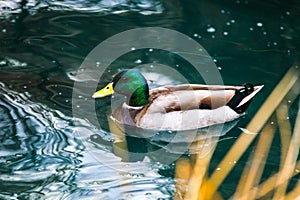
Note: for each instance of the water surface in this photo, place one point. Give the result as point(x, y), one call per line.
point(42, 45)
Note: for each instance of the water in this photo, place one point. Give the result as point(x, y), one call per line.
point(47, 154)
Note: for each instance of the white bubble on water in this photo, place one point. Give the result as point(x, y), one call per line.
point(259, 24)
point(211, 29)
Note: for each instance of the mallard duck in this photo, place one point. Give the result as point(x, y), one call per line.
point(178, 107)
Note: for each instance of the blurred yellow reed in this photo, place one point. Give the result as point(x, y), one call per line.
point(119, 147)
point(182, 174)
point(285, 130)
point(290, 160)
point(202, 187)
point(200, 168)
point(252, 174)
point(268, 185)
point(254, 127)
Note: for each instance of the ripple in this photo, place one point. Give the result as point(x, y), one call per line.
point(42, 157)
point(145, 7)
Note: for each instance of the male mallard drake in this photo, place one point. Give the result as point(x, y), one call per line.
point(180, 107)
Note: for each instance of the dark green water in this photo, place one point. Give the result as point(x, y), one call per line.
point(42, 45)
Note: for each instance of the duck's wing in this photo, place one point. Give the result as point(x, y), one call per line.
point(195, 96)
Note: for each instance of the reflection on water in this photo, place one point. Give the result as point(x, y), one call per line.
point(41, 157)
point(145, 7)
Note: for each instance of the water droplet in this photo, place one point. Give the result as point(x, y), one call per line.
point(251, 29)
point(211, 29)
point(177, 65)
point(138, 61)
point(98, 64)
point(218, 169)
point(195, 35)
point(4, 30)
point(289, 52)
point(150, 50)
point(219, 68)
point(132, 48)
point(281, 28)
point(78, 106)
point(265, 33)
point(225, 33)
point(272, 123)
point(215, 60)
point(59, 93)
point(275, 43)
point(232, 21)
point(25, 86)
point(287, 13)
point(228, 23)
point(259, 24)
point(222, 11)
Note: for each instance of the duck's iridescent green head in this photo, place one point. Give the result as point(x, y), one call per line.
point(130, 83)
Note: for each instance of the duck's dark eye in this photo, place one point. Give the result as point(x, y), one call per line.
point(107, 87)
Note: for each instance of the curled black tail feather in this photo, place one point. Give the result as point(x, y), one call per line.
point(240, 94)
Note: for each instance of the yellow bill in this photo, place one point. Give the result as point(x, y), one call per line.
point(107, 90)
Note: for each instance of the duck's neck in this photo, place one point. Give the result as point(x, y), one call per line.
point(139, 98)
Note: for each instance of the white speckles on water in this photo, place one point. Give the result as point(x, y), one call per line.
point(222, 11)
point(251, 29)
point(59, 93)
point(219, 68)
point(287, 13)
point(225, 33)
point(139, 61)
point(259, 24)
point(195, 35)
point(150, 50)
point(265, 33)
point(289, 52)
point(232, 21)
point(215, 60)
point(275, 43)
point(281, 28)
point(132, 49)
point(211, 29)
point(4, 30)
point(98, 64)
